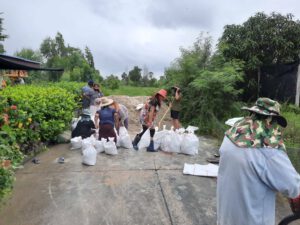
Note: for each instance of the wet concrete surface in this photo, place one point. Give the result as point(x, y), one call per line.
point(131, 188)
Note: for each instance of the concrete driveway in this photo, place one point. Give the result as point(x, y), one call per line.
point(131, 188)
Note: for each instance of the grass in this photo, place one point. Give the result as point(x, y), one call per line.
point(132, 91)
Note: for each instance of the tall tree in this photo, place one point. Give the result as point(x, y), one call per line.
point(89, 57)
point(2, 36)
point(261, 40)
point(135, 75)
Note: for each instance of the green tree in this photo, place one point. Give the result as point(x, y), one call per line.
point(89, 57)
point(125, 78)
point(112, 82)
point(261, 40)
point(30, 54)
point(135, 75)
point(2, 36)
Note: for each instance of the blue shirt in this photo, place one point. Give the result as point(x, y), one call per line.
point(247, 183)
point(106, 116)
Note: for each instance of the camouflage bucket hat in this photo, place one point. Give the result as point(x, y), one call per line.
point(268, 107)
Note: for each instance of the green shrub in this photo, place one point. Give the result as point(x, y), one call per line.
point(6, 181)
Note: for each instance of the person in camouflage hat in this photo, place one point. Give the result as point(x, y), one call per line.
point(254, 166)
point(263, 128)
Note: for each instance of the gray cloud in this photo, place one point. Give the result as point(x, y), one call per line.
point(125, 33)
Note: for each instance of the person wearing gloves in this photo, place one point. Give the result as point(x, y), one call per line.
point(253, 167)
point(85, 126)
point(106, 119)
point(147, 117)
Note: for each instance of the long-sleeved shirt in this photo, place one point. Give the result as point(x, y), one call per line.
point(247, 183)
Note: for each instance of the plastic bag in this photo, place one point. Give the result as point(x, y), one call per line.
point(89, 156)
point(158, 137)
point(99, 145)
point(145, 140)
point(189, 144)
point(110, 147)
point(124, 138)
point(176, 141)
point(90, 141)
point(76, 143)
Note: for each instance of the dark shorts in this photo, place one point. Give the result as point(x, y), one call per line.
point(174, 114)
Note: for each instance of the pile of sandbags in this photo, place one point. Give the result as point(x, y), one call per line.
point(180, 141)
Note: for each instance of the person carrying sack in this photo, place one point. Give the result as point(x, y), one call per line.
point(147, 117)
point(254, 166)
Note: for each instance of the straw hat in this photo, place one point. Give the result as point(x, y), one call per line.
point(106, 101)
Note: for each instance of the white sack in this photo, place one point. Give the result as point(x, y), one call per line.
point(89, 156)
point(87, 142)
point(158, 138)
point(189, 144)
point(99, 145)
point(110, 147)
point(124, 138)
point(176, 142)
point(76, 142)
point(145, 140)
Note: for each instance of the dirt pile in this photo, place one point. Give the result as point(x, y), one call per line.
point(132, 102)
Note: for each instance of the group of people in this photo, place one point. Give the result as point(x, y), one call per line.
point(253, 161)
point(106, 115)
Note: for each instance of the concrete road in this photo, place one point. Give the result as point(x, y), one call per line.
point(131, 188)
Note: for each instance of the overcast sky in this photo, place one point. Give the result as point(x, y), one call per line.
point(125, 33)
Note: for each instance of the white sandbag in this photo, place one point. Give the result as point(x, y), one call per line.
point(145, 140)
point(158, 137)
point(86, 143)
point(124, 138)
point(189, 144)
point(99, 145)
point(110, 147)
point(176, 142)
point(76, 142)
point(89, 156)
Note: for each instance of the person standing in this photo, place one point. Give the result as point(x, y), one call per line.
point(253, 167)
point(87, 93)
point(106, 119)
point(147, 117)
point(97, 94)
point(176, 107)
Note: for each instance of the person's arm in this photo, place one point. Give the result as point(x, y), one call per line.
point(96, 120)
point(117, 122)
point(178, 94)
point(280, 175)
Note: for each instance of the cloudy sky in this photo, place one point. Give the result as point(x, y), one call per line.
point(125, 33)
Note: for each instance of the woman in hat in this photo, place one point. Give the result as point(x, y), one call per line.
point(85, 126)
point(254, 166)
point(147, 117)
point(106, 119)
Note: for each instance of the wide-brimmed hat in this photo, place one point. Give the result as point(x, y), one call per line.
point(86, 112)
point(268, 107)
point(106, 101)
point(162, 93)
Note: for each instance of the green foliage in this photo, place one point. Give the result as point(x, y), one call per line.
point(6, 181)
point(135, 75)
point(260, 41)
point(2, 36)
point(132, 91)
point(51, 108)
point(77, 66)
point(112, 82)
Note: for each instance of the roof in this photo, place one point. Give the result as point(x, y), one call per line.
point(17, 63)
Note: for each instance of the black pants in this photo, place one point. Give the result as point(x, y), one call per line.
point(152, 131)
